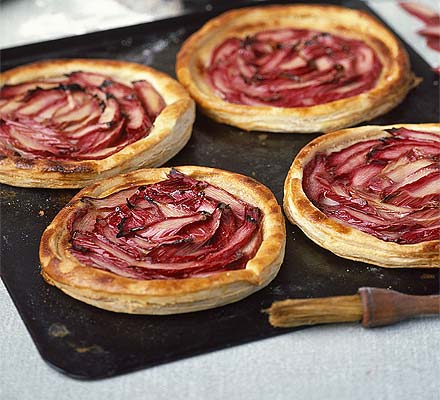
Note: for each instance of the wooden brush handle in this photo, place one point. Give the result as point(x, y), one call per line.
point(372, 306)
point(385, 307)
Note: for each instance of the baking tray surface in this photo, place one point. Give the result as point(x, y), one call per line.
point(86, 342)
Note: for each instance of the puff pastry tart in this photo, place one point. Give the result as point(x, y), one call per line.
point(66, 123)
point(298, 68)
point(161, 241)
point(371, 194)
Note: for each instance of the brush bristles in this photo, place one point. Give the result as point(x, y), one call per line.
point(289, 313)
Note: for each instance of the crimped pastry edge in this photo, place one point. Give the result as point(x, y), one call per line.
point(115, 293)
point(394, 83)
point(169, 134)
point(342, 239)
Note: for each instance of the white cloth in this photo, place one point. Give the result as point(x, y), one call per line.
point(24, 22)
point(335, 362)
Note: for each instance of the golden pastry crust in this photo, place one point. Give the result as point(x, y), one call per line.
point(394, 82)
point(171, 296)
point(341, 239)
point(169, 134)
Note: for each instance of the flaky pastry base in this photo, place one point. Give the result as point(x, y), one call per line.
point(170, 132)
point(342, 239)
point(169, 296)
point(395, 81)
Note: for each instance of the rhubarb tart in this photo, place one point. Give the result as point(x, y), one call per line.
point(298, 68)
point(165, 241)
point(371, 194)
point(66, 123)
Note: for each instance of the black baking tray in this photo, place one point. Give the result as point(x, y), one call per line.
point(86, 342)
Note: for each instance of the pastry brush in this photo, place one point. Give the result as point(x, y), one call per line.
point(370, 306)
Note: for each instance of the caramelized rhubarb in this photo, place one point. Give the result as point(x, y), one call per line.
point(292, 68)
point(387, 187)
point(176, 228)
point(80, 116)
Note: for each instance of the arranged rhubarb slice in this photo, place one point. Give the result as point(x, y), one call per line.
point(81, 116)
point(176, 228)
point(421, 11)
point(387, 187)
point(292, 68)
point(432, 20)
